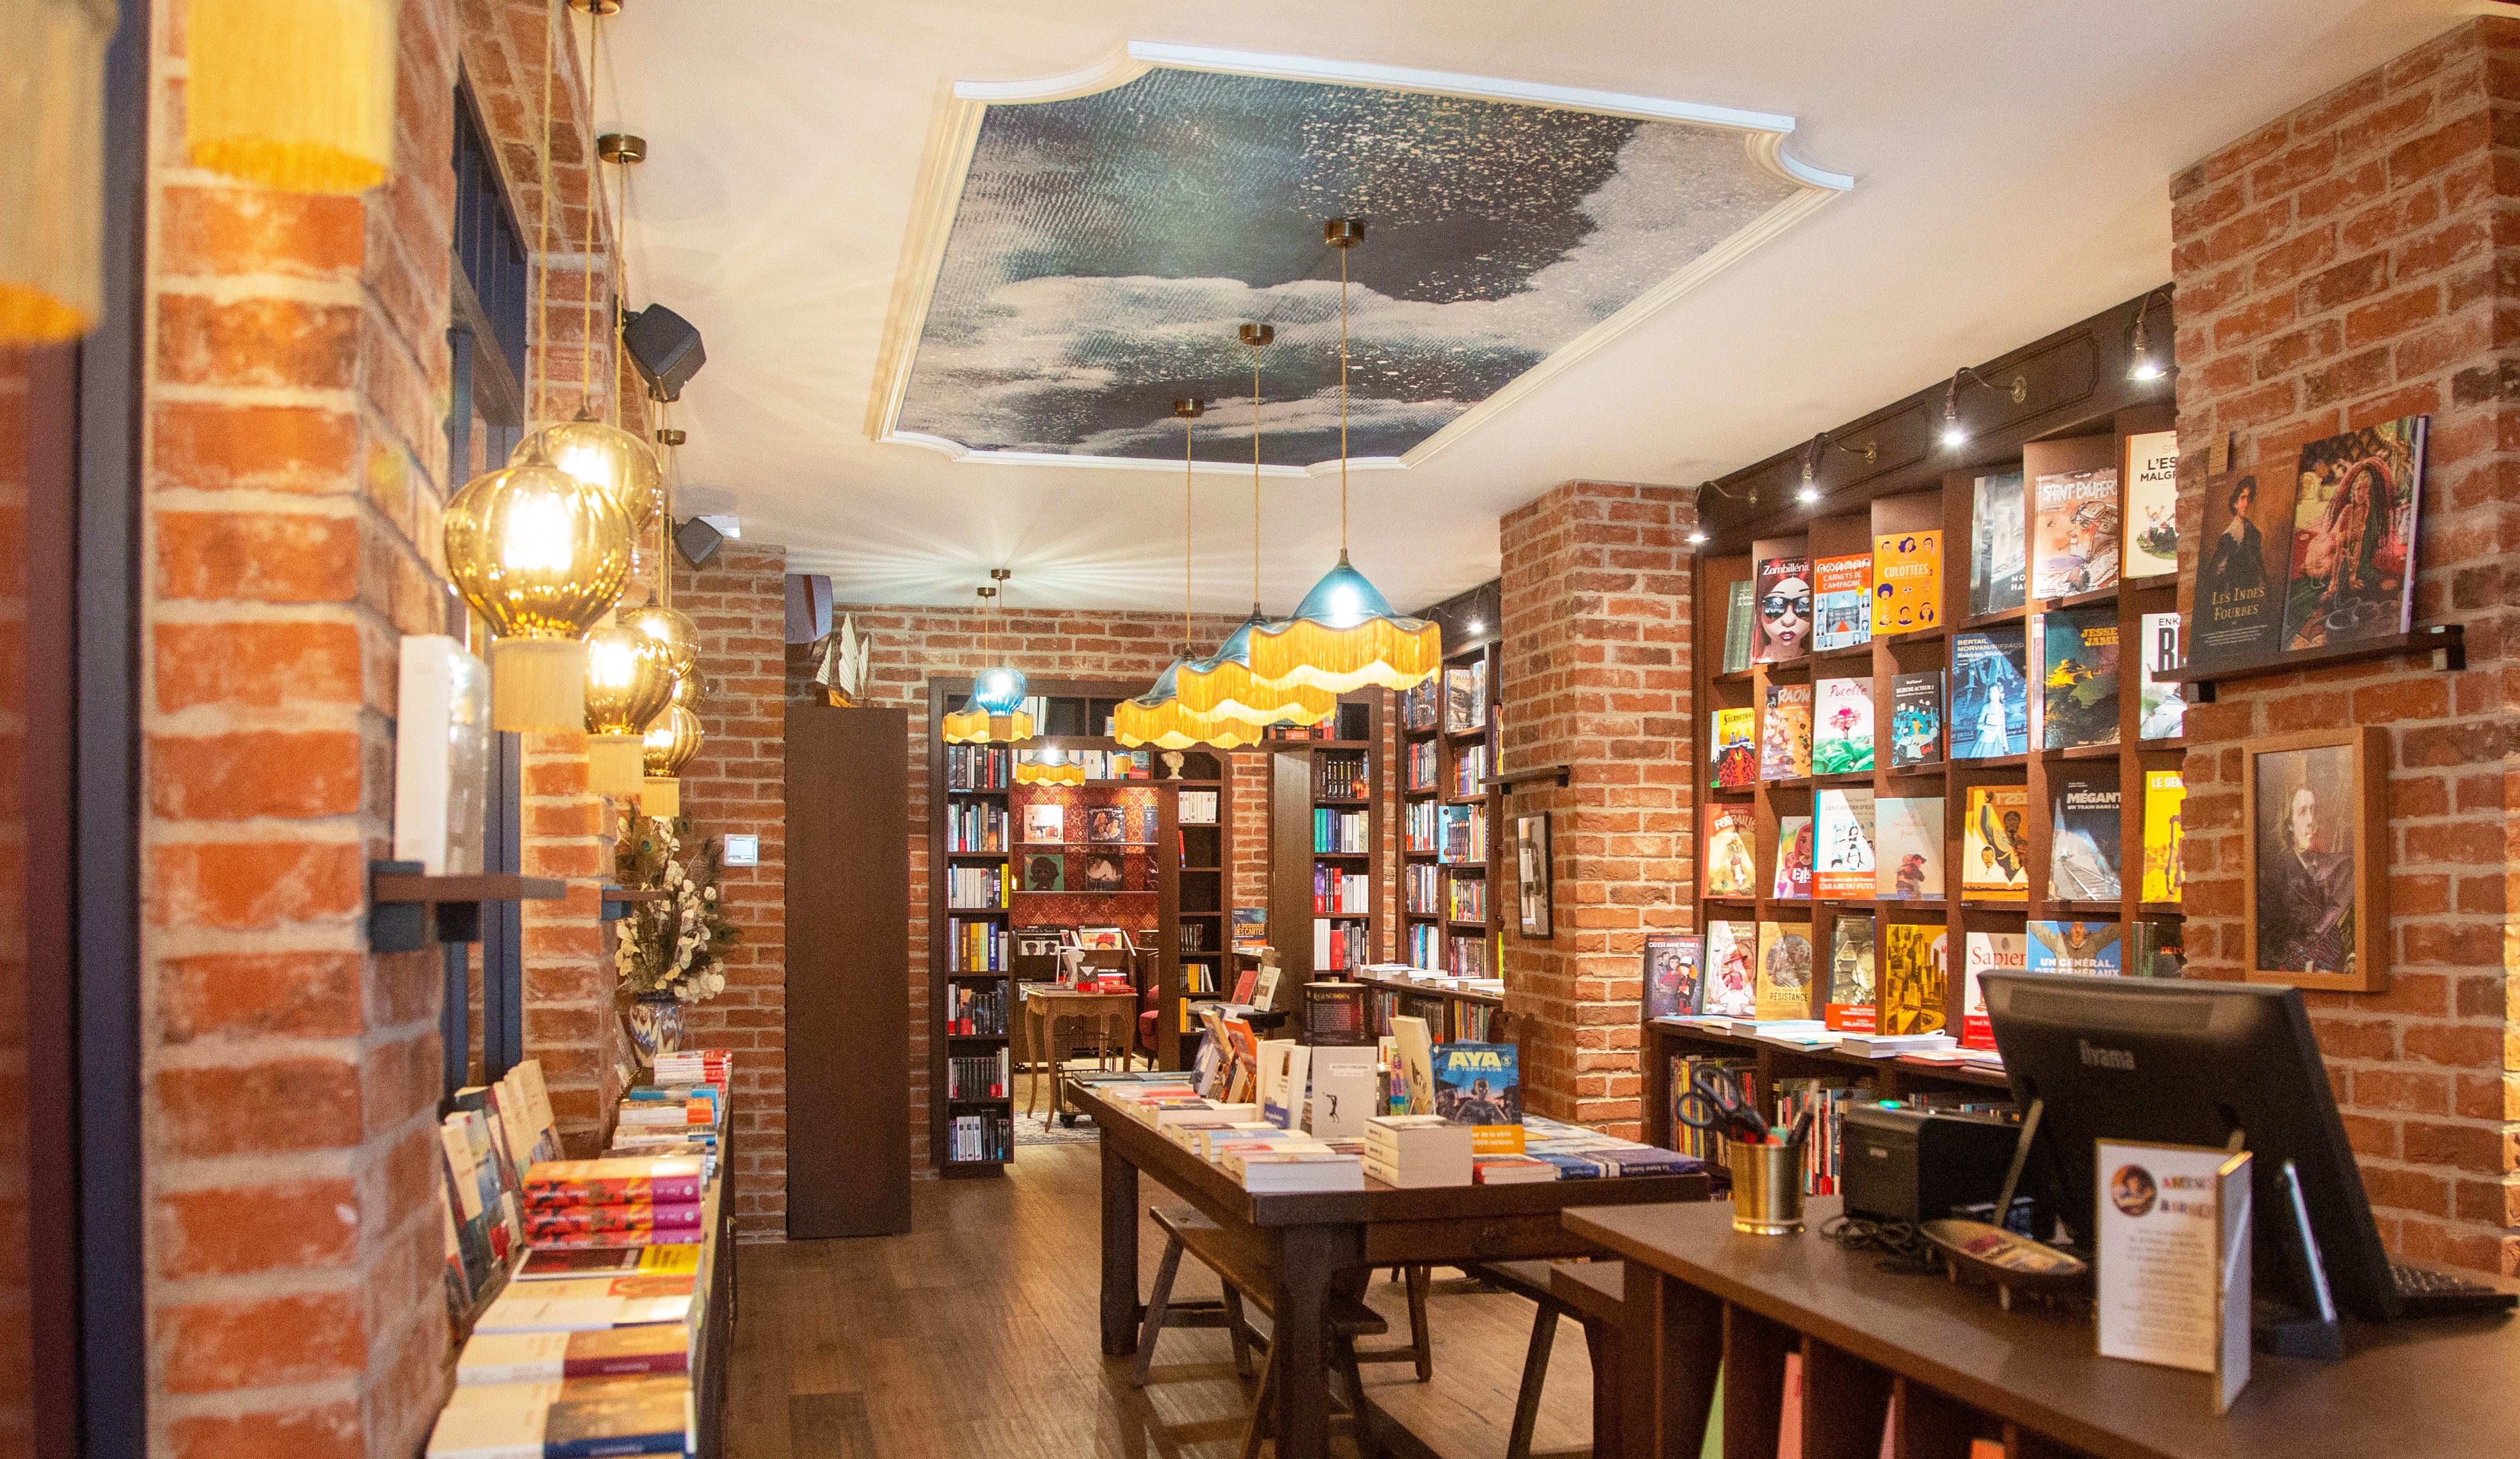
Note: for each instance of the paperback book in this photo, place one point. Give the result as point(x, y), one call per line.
point(1732, 758)
point(1793, 877)
point(1784, 626)
point(2083, 841)
point(1732, 971)
point(1998, 561)
point(1995, 844)
point(1464, 708)
point(1913, 977)
point(1480, 1085)
point(2156, 948)
point(2079, 684)
point(1672, 975)
point(2153, 504)
point(1907, 581)
point(1990, 694)
point(2089, 949)
point(1785, 739)
point(1045, 823)
point(1842, 734)
point(1850, 1004)
point(1916, 718)
point(1842, 837)
point(2354, 536)
point(1738, 612)
point(1731, 850)
point(1988, 952)
point(2243, 555)
point(1845, 601)
point(2076, 550)
point(2161, 712)
point(2165, 876)
point(1785, 970)
point(1908, 842)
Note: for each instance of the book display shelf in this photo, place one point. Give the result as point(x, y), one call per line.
point(1450, 817)
point(2071, 643)
point(1450, 1013)
point(1067, 830)
point(1326, 829)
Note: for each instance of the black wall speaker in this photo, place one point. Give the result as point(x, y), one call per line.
point(665, 348)
point(699, 541)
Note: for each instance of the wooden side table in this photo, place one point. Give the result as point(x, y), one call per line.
point(1046, 1006)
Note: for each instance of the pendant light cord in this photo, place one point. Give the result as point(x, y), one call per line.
point(586, 259)
point(1188, 649)
point(666, 523)
point(1342, 404)
point(540, 326)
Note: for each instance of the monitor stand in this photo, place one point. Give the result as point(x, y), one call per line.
point(2287, 1331)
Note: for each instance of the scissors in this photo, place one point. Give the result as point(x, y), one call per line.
point(1714, 1105)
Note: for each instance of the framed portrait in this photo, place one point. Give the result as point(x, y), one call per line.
point(1533, 882)
point(2314, 900)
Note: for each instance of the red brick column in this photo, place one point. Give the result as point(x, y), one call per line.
point(1596, 674)
point(738, 784)
point(2345, 264)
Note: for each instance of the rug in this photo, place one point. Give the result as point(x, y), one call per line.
point(1043, 1127)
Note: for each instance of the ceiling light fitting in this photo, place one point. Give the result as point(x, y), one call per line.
point(1954, 432)
point(994, 715)
point(2146, 364)
point(1159, 717)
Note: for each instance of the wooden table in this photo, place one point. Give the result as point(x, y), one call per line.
point(1047, 1005)
point(1698, 1293)
point(1316, 1239)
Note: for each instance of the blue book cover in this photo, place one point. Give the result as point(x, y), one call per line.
point(1480, 1085)
point(1916, 718)
point(1990, 694)
point(2088, 948)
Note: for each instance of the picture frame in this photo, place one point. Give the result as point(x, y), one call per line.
point(1535, 882)
point(2313, 818)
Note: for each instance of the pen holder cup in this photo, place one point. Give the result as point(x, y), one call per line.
point(1766, 1187)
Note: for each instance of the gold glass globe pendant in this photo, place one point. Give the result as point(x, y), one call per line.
point(1344, 635)
point(541, 556)
point(994, 715)
point(629, 683)
point(1158, 718)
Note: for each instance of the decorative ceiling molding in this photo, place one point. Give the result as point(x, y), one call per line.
point(953, 138)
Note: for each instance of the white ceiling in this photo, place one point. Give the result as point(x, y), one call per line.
point(2011, 162)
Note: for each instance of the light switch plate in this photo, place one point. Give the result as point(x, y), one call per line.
point(744, 850)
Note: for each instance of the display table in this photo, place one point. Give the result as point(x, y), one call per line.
point(1962, 1367)
point(1317, 1241)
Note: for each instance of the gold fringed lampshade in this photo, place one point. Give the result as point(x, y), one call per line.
point(292, 94)
point(52, 112)
point(628, 684)
point(671, 742)
point(974, 724)
point(1159, 718)
point(1345, 636)
point(1224, 686)
point(541, 556)
point(606, 458)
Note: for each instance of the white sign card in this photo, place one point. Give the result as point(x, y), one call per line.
point(1343, 1092)
point(2173, 1260)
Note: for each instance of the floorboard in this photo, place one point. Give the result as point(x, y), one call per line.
point(976, 1335)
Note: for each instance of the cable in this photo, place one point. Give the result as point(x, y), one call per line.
point(1903, 1249)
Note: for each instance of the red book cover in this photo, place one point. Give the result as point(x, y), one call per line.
point(612, 1182)
point(646, 1236)
point(636, 1215)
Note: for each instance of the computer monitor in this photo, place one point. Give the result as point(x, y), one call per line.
point(2190, 1063)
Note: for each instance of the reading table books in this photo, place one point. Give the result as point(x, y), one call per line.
point(1700, 1296)
point(1325, 1242)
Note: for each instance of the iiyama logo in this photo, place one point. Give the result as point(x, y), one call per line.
point(2105, 1058)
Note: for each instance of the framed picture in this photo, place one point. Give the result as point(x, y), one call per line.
point(1533, 882)
point(2315, 901)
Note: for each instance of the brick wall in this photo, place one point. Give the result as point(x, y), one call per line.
point(737, 784)
point(1596, 674)
point(913, 644)
point(295, 368)
point(2345, 264)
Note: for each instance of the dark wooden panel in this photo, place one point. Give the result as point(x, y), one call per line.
point(848, 959)
point(1291, 862)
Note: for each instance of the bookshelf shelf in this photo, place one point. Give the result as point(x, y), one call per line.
point(2447, 643)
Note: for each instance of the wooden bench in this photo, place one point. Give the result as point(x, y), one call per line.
point(1594, 1293)
point(1247, 1275)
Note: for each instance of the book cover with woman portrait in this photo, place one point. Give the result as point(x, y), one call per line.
point(1783, 611)
point(2354, 536)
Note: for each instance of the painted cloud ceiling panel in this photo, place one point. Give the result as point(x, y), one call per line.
point(1105, 247)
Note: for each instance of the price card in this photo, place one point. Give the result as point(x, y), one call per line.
point(2173, 1260)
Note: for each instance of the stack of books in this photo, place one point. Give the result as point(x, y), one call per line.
point(1581, 1153)
point(1412, 1151)
point(624, 1201)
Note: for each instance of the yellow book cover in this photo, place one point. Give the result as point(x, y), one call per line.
point(1784, 969)
point(1995, 844)
point(1907, 581)
point(2164, 874)
point(1914, 974)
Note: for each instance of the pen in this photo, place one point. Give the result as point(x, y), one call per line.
point(1802, 1128)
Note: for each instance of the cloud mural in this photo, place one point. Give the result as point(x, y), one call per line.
point(1105, 248)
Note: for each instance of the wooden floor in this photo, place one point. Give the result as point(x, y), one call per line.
point(974, 1337)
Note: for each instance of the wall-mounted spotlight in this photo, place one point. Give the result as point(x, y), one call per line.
point(1477, 626)
point(1810, 491)
point(1954, 432)
point(2147, 364)
point(1698, 540)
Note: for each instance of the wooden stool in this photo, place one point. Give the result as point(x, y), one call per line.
point(1247, 1275)
point(1420, 1350)
point(1594, 1293)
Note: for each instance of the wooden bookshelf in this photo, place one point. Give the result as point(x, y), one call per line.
point(1449, 1012)
point(1849, 527)
point(1446, 766)
point(1299, 771)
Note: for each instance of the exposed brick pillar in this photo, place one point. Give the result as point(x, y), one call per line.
point(1596, 674)
point(2345, 264)
point(738, 784)
point(569, 976)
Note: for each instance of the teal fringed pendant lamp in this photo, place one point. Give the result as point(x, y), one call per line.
point(1344, 635)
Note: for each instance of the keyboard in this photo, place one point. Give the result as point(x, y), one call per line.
point(2426, 1292)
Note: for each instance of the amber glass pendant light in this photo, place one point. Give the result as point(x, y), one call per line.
point(1223, 685)
point(1158, 718)
point(994, 715)
point(1344, 635)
